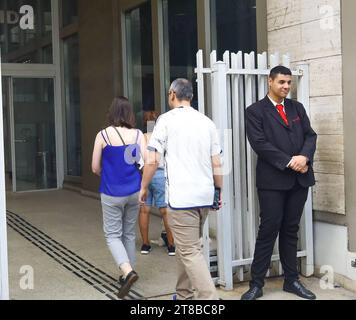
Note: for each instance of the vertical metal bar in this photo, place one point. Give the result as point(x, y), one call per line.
point(201, 100)
point(200, 80)
point(213, 28)
point(231, 212)
point(238, 127)
point(262, 80)
point(226, 59)
point(12, 134)
point(220, 116)
point(166, 49)
point(307, 219)
point(158, 28)
point(252, 199)
point(64, 96)
point(4, 273)
point(243, 162)
point(58, 112)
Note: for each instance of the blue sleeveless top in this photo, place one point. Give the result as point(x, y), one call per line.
point(119, 175)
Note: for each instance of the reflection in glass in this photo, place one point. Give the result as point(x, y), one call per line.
point(233, 26)
point(23, 39)
point(140, 60)
point(7, 130)
point(72, 103)
point(69, 12)
point(181, 41)
point(34, 128)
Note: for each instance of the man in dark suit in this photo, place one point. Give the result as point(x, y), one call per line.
point(279, 132)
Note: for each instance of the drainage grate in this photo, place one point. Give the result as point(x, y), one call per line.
point(81, 268)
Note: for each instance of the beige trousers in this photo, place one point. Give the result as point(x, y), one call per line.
point(193, 272)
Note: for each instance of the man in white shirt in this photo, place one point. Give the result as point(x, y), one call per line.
point(189, 142)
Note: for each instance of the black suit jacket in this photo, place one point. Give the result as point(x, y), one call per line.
point(276, 143)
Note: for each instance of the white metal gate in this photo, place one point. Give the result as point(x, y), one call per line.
point(230, 86)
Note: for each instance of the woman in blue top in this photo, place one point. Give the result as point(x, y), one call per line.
point(116, 159)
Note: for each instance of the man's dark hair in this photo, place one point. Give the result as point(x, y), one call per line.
point(121, 113)
point(279, 70)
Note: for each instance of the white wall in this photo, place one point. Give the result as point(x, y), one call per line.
point(330, 249)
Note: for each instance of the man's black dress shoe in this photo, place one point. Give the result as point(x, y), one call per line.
point(252, 294)
point(298, 289)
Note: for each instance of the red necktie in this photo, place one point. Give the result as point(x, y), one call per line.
point(280, 109)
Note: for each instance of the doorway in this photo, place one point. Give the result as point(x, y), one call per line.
point(29, 134)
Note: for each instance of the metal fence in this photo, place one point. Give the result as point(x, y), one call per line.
point(229, 87)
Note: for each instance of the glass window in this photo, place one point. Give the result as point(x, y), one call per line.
point(233, 25)
point(26, 31)
point(69, 12)
point(72, 104)
point(181, 41)
point(140, 60)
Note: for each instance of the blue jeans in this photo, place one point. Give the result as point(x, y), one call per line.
point(157, 190)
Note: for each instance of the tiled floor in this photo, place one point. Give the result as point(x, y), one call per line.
point(62, 246)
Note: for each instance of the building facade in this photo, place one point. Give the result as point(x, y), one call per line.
point(320, 33)
point(64, 60)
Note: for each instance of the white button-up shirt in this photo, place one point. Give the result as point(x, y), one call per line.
point(187, 139)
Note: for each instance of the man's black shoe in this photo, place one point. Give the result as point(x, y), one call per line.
point(297, 288)
point(126, 284)
point(252, 294)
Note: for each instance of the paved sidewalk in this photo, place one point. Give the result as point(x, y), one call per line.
point(66, 250)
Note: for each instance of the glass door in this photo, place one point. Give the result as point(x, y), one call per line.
point(32, 134)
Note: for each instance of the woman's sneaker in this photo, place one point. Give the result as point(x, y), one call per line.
point(146, 249)
point(171, 250)
point(126, 284)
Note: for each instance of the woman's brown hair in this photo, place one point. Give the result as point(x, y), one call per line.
point(121, 113)
point(150, 116)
